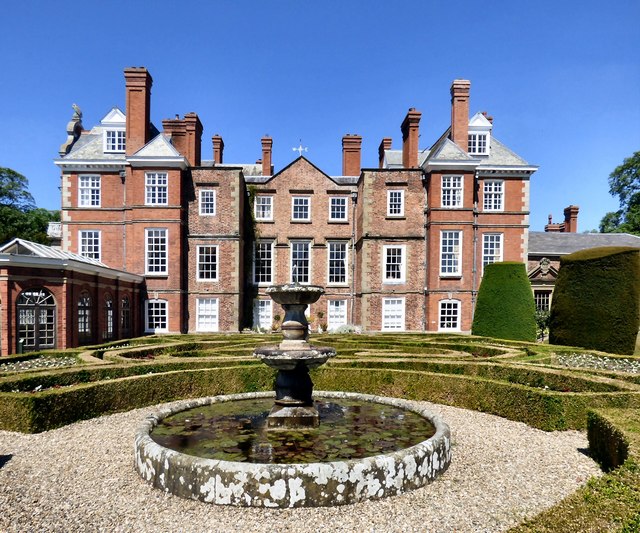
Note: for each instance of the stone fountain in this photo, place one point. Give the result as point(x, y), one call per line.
point(293, 358)
point(256, 480)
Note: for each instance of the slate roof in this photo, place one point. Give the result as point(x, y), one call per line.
point(500, 155)
point(557, 243)
point(447, 150)
point(394, 158)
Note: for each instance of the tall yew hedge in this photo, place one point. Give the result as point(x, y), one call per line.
point(505, 307)
point(596, 301)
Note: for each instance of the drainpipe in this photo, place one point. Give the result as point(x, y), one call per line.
point(426, 259)
point(354, 201)
point(474, 280)
point(123, 174)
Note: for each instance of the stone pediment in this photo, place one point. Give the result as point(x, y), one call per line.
point(543, 271)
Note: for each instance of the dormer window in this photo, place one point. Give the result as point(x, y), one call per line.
point(114, 141)
point(114, 128)
point(478, 143)
point(479, 135)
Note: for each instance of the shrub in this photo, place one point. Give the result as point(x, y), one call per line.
point(596, 300)
point(505, 307)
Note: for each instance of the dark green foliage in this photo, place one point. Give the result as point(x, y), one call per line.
point(505, 307)
point(18, 213)
point(607, 444)
point(624, 182)
point(596, 302)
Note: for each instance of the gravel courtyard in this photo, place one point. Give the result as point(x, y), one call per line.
point(81, 478)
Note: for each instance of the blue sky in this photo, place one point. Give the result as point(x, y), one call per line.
point(561, 79)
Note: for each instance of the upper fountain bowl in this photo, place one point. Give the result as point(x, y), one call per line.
point(295, 294)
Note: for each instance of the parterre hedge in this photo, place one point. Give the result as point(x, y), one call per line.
point(596, 300)
point(505, 308)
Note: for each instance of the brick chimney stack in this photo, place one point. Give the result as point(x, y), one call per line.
point(267, 143)
point(194, 139)
point(351, 154)
point(384, 146)
point(410, 134)
point(138, 83)
point(571, 219)
point(218, 149)
point(460, 113)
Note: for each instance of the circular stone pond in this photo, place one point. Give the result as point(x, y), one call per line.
point(366, 447)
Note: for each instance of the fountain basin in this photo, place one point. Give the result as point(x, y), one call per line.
point(291, 485)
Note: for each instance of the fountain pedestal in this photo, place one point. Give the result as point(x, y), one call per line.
point(293, 358)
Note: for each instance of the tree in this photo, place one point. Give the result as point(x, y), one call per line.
point(13, 191)
point(624, 182)
point(18, 213)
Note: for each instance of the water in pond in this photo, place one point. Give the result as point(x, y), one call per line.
point(236, 431)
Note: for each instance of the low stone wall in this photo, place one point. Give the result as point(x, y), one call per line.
point(291, 485)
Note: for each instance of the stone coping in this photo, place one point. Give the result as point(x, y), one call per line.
point(291, 485)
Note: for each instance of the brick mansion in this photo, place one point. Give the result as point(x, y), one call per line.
point(188, 244)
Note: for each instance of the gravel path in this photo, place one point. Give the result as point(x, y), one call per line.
point(81, 478)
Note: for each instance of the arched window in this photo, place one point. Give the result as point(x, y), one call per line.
point(36, 319)
point(125, 318)
point(84, 318)
point(107, 333)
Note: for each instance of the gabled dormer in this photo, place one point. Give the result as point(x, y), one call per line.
point(479, 135)
point(114, 131)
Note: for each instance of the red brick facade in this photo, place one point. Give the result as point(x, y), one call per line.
point(393, 250)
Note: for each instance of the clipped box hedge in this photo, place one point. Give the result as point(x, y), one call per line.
point(596, 300)
point(505, 308)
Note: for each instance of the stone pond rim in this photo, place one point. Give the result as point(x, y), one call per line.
point(291, 485)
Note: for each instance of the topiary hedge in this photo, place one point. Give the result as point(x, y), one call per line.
point(596, 301)
point(505, 308)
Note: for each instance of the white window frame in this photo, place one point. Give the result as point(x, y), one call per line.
point(263, 312)
point(118, 144)
point(395, 203)
point(478, 142)
point(345, 261)
point(267, 245)
point(292, 244)
point(207, 207)
point(215, 263)
point(156, 188)
point(456, 255)
point(493, 195)
point(454, 304)
point(299, 202)
point(161, 303)
point(147, 250)
point(386, 255)
point(336, 314)
point(489, 240)
point(388, 325)
point(89, 190)
point(207, 315)
point(454, 186)
point(259, 208)
point(340, 204)
point(84, 245)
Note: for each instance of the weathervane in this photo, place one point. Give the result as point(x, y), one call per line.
point(300, 149)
